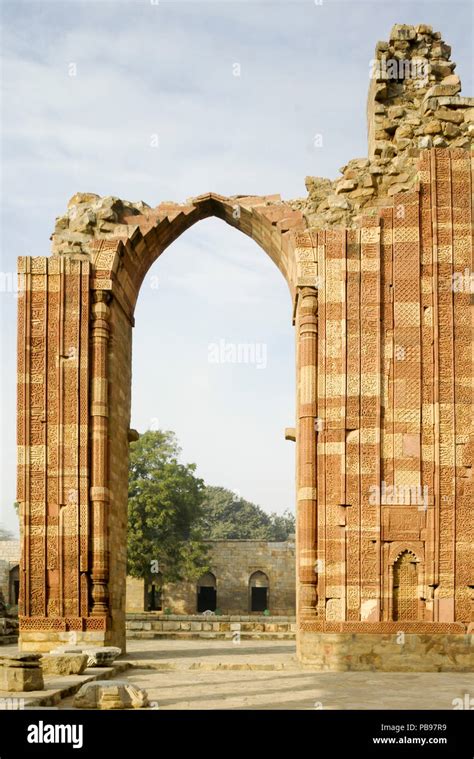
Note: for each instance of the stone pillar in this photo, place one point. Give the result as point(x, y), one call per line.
point(99, 493)
point(307, 346)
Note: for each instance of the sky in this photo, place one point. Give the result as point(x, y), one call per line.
point(159, 101)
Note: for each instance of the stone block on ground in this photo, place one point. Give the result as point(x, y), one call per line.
point(110, 694)
point(21, 673)
point(100, 656)
point(64, 664)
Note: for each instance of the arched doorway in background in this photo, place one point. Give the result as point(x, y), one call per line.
point(258, 591)
point(207, 593)
point(154, 594)
point(14, 583)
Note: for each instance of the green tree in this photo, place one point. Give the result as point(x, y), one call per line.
point(164, 507)
point(227, 516)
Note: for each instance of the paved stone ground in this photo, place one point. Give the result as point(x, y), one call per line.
point(185, 653)
point(9, 649)
point(202, 674)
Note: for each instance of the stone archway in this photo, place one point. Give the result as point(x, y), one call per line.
point(378, 268)
point(76, 314)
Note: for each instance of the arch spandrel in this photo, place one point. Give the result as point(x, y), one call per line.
point(121, 262)
point(413, 548)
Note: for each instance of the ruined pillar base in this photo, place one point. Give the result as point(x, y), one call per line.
point(45, 634)
point(385, 652)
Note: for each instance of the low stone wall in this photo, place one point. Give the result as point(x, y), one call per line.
point(341, 652)
point(151, 625)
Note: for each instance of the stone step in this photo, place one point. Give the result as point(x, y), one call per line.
point(195, 635)
point(212, 666)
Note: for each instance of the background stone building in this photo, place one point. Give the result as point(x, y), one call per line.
point(9, 570)
point(246, 576)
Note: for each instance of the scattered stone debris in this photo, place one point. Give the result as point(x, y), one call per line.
point(100, 656)
point(111, 694)
point(64, 664)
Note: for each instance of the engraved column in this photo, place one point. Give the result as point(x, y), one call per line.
point(307, 344)
point(99, 494)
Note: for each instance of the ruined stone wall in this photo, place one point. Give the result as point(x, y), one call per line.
point(89, 217)
point(379, 265)
point(413, 105)
point(232, 562)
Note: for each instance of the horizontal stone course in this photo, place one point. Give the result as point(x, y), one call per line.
point(378, 652)
point(174, 626)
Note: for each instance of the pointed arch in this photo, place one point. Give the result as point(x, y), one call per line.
point(120, 264)
point(259, 592)
point(206, 593)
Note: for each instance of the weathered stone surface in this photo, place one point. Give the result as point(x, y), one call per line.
point(396, 112)
point(345, 185)
point(452, 79)
point(83, 197)
point(110, 694)
point(451, 130)
point(387, 653)
point(21, 679)
point(432, 127)
point(442, 90)
point(444, 114)
point(21, 672)
point(336, 202)
point(402, 32)
point(102, 656)
point(424, 29)
point(64, 664)
point(23, 659)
